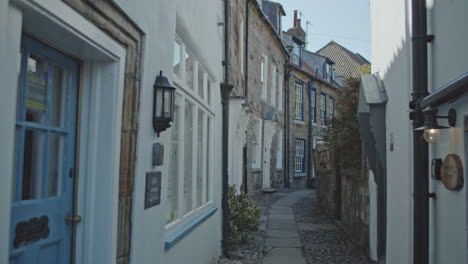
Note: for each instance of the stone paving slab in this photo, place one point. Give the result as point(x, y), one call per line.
point(281, 216)
point(284, 255)
point(282, 226)
point(311, 227)
point(282, 233)
point(282, 242)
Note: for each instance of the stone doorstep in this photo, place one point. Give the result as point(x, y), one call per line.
point(276, 242)
point(284, 255)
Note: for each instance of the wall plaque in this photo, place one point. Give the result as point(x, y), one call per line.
point(153, 189)
point(323, 159)
point(452, 172)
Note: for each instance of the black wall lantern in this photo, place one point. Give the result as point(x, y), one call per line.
point(163, 104)
point(431, 127)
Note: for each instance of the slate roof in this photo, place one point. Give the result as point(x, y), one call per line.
point(348, 64)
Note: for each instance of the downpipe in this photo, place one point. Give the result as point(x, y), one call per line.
point(226, 89)
point(420, 146)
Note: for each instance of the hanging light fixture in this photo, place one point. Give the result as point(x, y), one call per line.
point(163, 105)
point(431, 127)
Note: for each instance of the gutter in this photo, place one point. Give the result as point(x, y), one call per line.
point(447, 93)
point(226, 88)
point(310, 139)
point(246, 55)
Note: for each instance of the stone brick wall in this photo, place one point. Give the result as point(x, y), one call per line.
point(262, 41)
point(112, 20)
point(353, 200)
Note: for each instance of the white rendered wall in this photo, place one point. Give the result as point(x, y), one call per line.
point(197, 24)
point(391, 58)
point(10, 37)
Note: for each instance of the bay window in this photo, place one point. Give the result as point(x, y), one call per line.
point(189, 183)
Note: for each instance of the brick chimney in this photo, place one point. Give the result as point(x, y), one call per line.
point(297, 21)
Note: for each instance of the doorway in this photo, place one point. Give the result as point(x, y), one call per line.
point(44, 159)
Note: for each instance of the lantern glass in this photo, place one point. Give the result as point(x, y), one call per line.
point(159, 103)
point(431, 135)
point(167, 111)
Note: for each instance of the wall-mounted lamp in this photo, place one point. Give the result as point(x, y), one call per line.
point(431, 127)
point(163, 105)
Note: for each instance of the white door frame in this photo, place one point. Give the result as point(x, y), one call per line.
point(99, 132)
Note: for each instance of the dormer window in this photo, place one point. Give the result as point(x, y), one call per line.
point(328, 73)
point(296, 54)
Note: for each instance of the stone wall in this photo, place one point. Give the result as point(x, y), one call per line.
point(259, 39)
point(343, 194)
point(111, 19)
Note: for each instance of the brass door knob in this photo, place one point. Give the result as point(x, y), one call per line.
point(72, 219)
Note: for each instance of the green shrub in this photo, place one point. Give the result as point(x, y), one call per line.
point(244, 215)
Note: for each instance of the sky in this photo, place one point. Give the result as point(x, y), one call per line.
point(347, 22)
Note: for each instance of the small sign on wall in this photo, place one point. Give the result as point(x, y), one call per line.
point(153, 189)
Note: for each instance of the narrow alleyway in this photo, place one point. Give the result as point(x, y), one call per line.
point(294, 230)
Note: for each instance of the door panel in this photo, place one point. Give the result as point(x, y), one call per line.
point(44, 156)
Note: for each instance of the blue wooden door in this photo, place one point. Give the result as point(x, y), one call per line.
point(44, 156)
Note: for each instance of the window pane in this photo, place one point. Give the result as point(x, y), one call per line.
point(59, 95)
point(201, 87)
point(177, 60)
point(32, 164)
point(200, 159)
point(189, 62)
point(173, 178)
point(208, 90)
point(208, 164)
point(36, 92)
point(188, 157)
point(55, 162)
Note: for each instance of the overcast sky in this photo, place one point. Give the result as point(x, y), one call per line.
point(345, 21)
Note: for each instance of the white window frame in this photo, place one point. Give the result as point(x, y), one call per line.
point(264, 77)
point(241, 45)
point(313, 106)
point(331, 107)
point(273, 84)
point(186, 94)
point(323, 109)
point(257, 144)
point(299, 101)
point(296, 54)
point(299, 166)
point(279, 151)
point(279, 100)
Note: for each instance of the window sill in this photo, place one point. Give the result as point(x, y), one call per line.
point(174, 237)
point(299, 174)
point(300, 122)
point(256, 170)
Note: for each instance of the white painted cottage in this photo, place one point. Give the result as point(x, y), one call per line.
point(79, 184)
point(424, 219)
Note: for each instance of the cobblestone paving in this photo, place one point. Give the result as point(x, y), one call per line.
point(322, 242)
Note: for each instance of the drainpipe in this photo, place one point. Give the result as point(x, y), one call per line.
point(287, 125)
point(226, 88)
point(246, 55)
point(420, 147)
point(310, 140)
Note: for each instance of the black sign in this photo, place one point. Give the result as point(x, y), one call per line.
point(153, 189)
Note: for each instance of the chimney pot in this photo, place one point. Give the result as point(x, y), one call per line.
point(295, 18)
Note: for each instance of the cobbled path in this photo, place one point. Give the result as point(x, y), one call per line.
point(321, 242)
